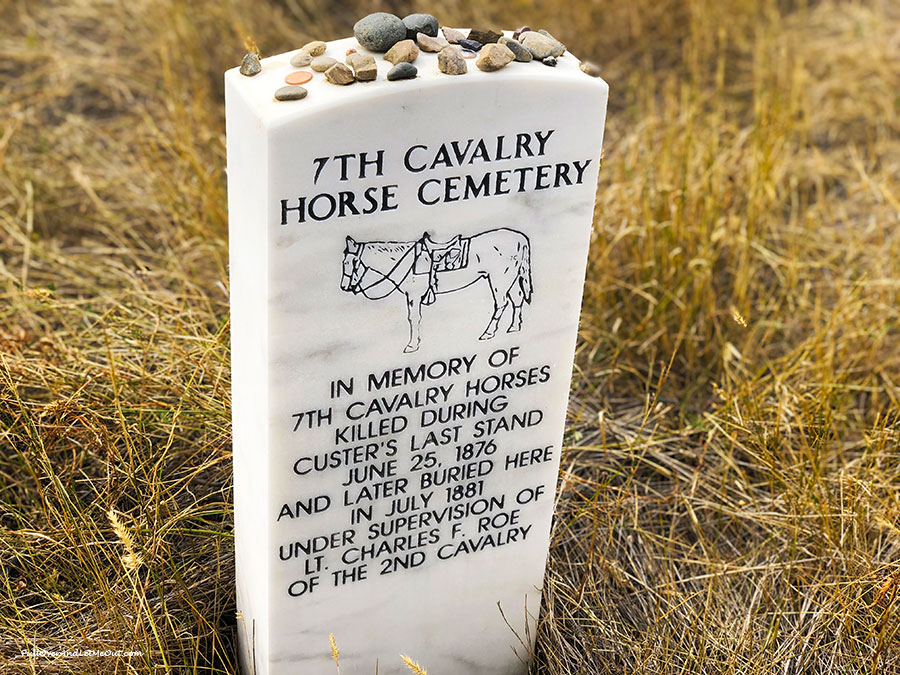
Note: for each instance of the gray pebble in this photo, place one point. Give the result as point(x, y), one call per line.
point(549, 61)
point(291, 92)
point(402, 71)
point(315, 48)
point(380, 31)
point(539, 45)
point(471, 45)
point(301, 59)
point(420, 23)
point(560, 47)
point(453, 36)
point(250, 64)
point(522, 54)
point(322, 63)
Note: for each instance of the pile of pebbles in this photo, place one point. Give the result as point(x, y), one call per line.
point(401, 41)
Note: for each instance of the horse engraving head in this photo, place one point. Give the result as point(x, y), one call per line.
point(352, 270)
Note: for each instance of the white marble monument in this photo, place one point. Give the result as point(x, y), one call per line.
point(407, 263)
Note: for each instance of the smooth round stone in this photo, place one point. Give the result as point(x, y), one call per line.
point(380, 31)
point(402, 71)
point(250, 64)
point(522, 54)
point(560, 48)
point(494, 57)
point(298, 77)
point(301, 59)
point(539, 45)
point(315, 48)
point(420, 23)
point(322, 63)
point(292, 92)
point(471, 45)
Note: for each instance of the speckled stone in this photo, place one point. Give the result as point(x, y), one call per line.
point(453, 36)
point(250, 64)
point(315, 48)
point(380, 31)
point(402, 71)
point(519, 31)
point(560, 47)
point(451, 62)
point(405, 50)
point(522, 54)
point(485, 37)
point(430, 44)
point(471, 45)
point(420, 23)
point(539, 45)
point(322, 63)
point(301, 59)
point(292, 92)
point(549, 61)
point(363, 65)
point(590, 68)
point(340, 73)
point(494, 57)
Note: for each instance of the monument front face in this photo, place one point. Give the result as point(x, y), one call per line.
point(407, 269)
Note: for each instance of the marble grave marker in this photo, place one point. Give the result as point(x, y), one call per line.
point(407, 264)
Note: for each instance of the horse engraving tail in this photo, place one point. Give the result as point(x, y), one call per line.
point(525, 273)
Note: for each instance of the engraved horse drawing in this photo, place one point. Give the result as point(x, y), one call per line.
point(424, 269)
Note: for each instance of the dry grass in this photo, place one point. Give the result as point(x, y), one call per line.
point(730, 497)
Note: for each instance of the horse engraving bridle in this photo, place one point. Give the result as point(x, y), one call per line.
point(360, 271)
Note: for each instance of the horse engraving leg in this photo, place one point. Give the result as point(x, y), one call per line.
point(414, 312)
point(517, 299)
point(516, 324)
point(499, 297)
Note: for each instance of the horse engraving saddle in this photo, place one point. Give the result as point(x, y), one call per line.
point(433, 257)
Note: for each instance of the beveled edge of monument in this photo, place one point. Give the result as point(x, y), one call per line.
point(258, 91)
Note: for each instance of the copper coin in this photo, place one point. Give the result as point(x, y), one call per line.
point(298, 77)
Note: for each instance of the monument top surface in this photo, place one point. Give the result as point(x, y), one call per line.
point(258, 91)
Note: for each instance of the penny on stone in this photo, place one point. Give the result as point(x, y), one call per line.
point(298, 77)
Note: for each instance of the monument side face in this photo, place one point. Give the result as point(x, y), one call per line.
point(421, 249)
point(248, 259)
